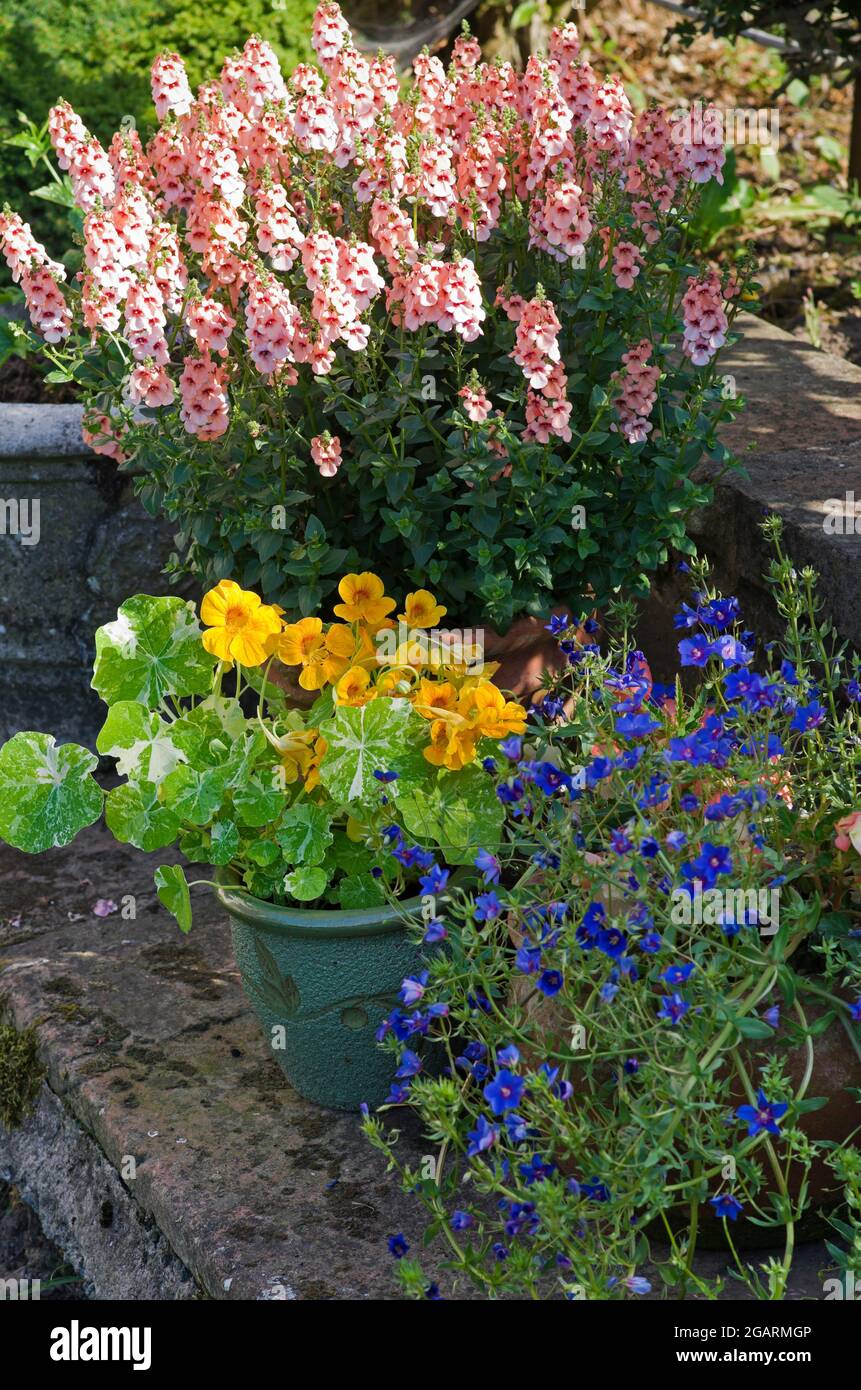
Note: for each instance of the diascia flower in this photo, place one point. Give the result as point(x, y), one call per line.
point(239, 626)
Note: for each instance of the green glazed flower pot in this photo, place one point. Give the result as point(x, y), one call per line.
point(320, 983)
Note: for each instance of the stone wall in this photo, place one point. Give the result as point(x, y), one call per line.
point(94, 547)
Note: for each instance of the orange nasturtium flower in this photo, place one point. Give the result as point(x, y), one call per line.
point(422, 610)
point(239, 626)
point(303, 644)
point(490, 713)
point(452, 743)
point(364, 599)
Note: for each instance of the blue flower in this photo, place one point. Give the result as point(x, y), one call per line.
point(719, 613)
point(398, 1245)
point(528, 960)
point(764, 1117)
point(673, 1008)
point(499, 1252)
point(855, 1011)
point(726, 1206)
point(462, 1220)
point(676, 839)
point(550, 982)
point(512, 748)
point(435, 880)
point(687, 618)
point(508, 1056)
point(631, 1066)
point(636, 725)
point(635, 1283)
point(649, 847)
point(413, 856)
point(678, 974)
point(559, 622)
point(853, 691)
point(488, 865)
point(695, 651)
point(487, 906)
point(711, 861)
point(612, 942)
point(504, 1091)
point(385, 776)
point(808, 717)
point(436, 931)
point(412, 988)
point(432, 1292)
point(620, 841)
point(688, 802)
point(411, 1064)
point(482, 1137)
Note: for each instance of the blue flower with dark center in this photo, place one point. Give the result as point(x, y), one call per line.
point(631, 1066)
point(712, 861)
point(504, 1091)
point(764, 1117)
point(398, 1245)
point(612, 942)
point(678, 974)
point(385, 776)
point(487, 907)
point(649, 847)
point(462, 1220)
point(528, 959)
point(413, 856)
point(488, 866)
point(688, 802)
point(719, 613)
point(808, 717)
point(435, 880)
point(550, 982)
point(695, 651)
point(559, 622)
point(726, 1206)
point(673, 1008)
point(620, 841)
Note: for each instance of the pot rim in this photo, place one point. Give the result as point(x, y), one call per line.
point(314, 922)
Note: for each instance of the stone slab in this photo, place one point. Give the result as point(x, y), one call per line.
point(154, 1053)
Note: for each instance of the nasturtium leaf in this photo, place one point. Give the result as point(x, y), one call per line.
point(194, 795)
point(142, 742)
point(348, 855)
point(173, 894)
point(151, 649)
point(304, 833)
point(46, 791)
point(382, 736)
point(459, 811)
point(224, 845)
point(360, 890)
point(306, 884)
point(257, 803)
point(263, 852)
point(135, 816)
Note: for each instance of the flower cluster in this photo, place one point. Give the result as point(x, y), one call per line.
point(646, 963)
point(368, 656)
point(287, 250)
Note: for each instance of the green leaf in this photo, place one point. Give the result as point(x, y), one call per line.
point(385, 735)
point(459, 811)
point(753, 1028)
point(173, 894)
point(264, 853)
point(194, 795)
point(304, 834)
point(135, 816)
point(256, 804)
point(46, 792)
point(360, 891)
point(306, 884)
point(152, 649)
point(225, 842)
point(141, 741)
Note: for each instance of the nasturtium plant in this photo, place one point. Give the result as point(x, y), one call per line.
point(289, 803)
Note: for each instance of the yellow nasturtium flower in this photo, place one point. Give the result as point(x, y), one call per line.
point(297, 753)
point(303, 644)
point(354, 688)
point(452, 744)
point(490, 713)
point(422, 610)
point(433, 697)
point(312, 778)
point(239, 626)
point(364, 599)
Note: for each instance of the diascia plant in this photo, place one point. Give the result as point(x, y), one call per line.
point(657, 988)
point(293, 806)
point(455, 332)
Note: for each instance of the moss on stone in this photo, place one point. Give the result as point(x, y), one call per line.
point(21, 1074)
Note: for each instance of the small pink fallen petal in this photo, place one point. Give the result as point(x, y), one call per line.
point(105, 907)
